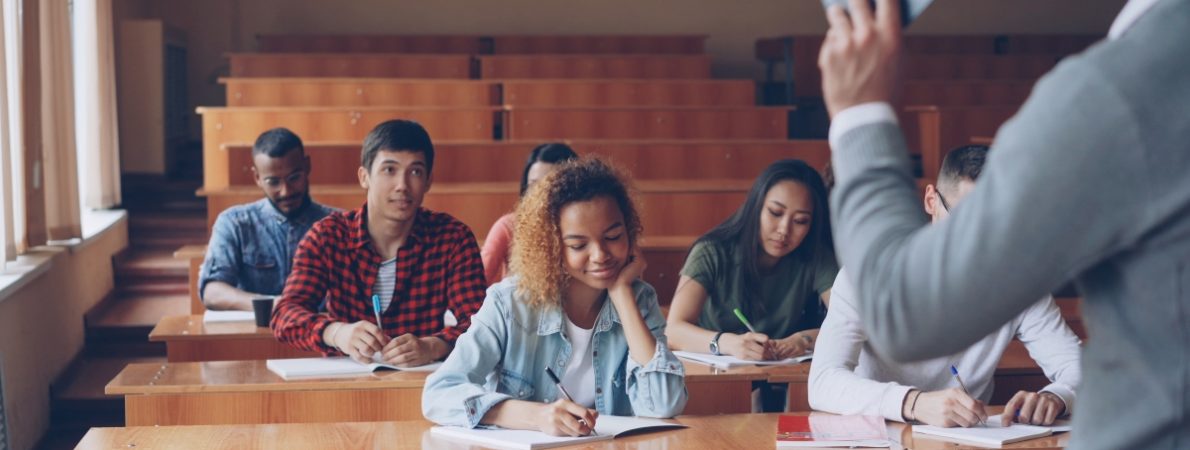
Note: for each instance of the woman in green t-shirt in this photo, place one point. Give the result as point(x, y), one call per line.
point(773, 259)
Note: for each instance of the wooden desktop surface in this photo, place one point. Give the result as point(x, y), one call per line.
point(750, 431)
point(188, 338)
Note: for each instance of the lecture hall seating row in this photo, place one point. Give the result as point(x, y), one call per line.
point(393, 65)
point(403, 92)
point(930, 57)
point(477, 45)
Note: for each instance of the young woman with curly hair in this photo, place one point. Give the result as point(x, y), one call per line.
point(575, 305)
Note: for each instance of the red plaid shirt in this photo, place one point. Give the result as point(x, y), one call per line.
point(438, 268)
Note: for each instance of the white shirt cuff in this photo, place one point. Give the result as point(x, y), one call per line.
point(860, 115)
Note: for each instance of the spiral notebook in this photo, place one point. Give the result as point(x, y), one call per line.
point(607, 427)
point(341, 366)
point(727, 362)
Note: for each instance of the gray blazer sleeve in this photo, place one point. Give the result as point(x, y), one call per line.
point(1056, 196)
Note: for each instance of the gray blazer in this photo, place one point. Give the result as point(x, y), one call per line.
point(1090, 181)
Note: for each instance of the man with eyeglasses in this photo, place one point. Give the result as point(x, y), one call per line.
point(849, 377)
point(252, 245)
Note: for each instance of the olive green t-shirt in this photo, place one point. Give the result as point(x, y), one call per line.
point(790, 293)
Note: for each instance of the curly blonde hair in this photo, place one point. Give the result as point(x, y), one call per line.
point(537, 245)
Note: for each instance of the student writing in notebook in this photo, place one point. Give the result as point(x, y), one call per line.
point(849, 377)
point(252, 245)
point(773, 260)
point(574, 304)
point(419, 263)
point(543, 159)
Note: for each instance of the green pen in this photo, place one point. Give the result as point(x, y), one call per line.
point(740, 315)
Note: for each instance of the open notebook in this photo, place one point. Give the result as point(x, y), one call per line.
point(607, 427)
point(727, 362)
point(340, 366)
point(991, 434)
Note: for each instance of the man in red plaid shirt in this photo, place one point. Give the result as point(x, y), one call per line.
point(418, 263)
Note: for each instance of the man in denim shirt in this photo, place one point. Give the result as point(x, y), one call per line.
point(252, 245)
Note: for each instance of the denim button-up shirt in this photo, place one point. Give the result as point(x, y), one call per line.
point(505, 352)
point(252, 246)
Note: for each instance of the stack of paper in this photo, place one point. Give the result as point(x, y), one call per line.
point(606, 428)
point(727, 362)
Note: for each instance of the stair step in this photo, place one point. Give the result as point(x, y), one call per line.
point(166, 242)
point(78, 398)
point(151, 262)
point(66, 436)
point(134, 312)
point(154, 287)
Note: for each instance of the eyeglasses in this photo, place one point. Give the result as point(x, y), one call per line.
point(942, 199)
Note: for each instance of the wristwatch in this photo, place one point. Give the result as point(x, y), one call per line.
point(715, 344)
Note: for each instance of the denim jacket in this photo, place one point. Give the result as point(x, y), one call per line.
point(505, 352)
point(252, 246)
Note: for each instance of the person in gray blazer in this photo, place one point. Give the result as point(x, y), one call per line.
point(1089, 182)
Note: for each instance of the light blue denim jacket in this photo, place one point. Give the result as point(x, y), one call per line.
point(505, 352)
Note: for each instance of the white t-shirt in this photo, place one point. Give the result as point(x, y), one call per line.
point(579, 379)
point(386, 282)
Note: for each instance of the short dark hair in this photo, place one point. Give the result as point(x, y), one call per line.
point(550, 152)
point(962, 163)
point(276, 143)
point(400, 136)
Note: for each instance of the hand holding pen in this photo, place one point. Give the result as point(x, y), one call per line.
point(566, 416)
point(752, 345)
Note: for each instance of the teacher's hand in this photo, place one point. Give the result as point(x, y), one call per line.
point(860, 56)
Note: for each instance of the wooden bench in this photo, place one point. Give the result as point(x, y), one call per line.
point(934, 130)
point(594, 66)
point(669, 207)
point(749, 431)
point(965, 92)
point(221, 125)
point(372, 43)
point(605, 44)
point(386, 65)
point(590, 93)
point(648, 123)
point(289, 91)
point(491, 161)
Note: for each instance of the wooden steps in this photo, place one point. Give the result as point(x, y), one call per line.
point(78, 401)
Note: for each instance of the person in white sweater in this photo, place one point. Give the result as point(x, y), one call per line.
point(847, 376)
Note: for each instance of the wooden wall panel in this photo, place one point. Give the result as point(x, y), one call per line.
point(370, 43)
point(618, 44)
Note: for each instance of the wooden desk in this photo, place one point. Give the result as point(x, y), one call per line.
point(245, 392)
point(292, 91)
point(746, 431)
point(194, 254)
point(379, 65)
point(187, 338)
point(509, 67)
point(657, 92)
point(667, 207)
point(684, 122)
point(720, 391)
point(504, 161)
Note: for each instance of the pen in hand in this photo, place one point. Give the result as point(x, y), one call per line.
point(955, 372)
point(751, 329)
point(566, 395)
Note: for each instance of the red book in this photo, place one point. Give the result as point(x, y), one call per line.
point(828, 430)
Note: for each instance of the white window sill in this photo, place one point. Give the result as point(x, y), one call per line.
point(29, 266)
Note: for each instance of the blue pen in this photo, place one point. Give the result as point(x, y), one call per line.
point(376, 309)
point(954, 371)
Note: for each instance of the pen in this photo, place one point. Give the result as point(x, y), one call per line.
point(376, 309)
point(955, 371)
point(566, 395)
point(740, 315)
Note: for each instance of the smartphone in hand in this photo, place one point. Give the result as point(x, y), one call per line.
point(910, 9)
